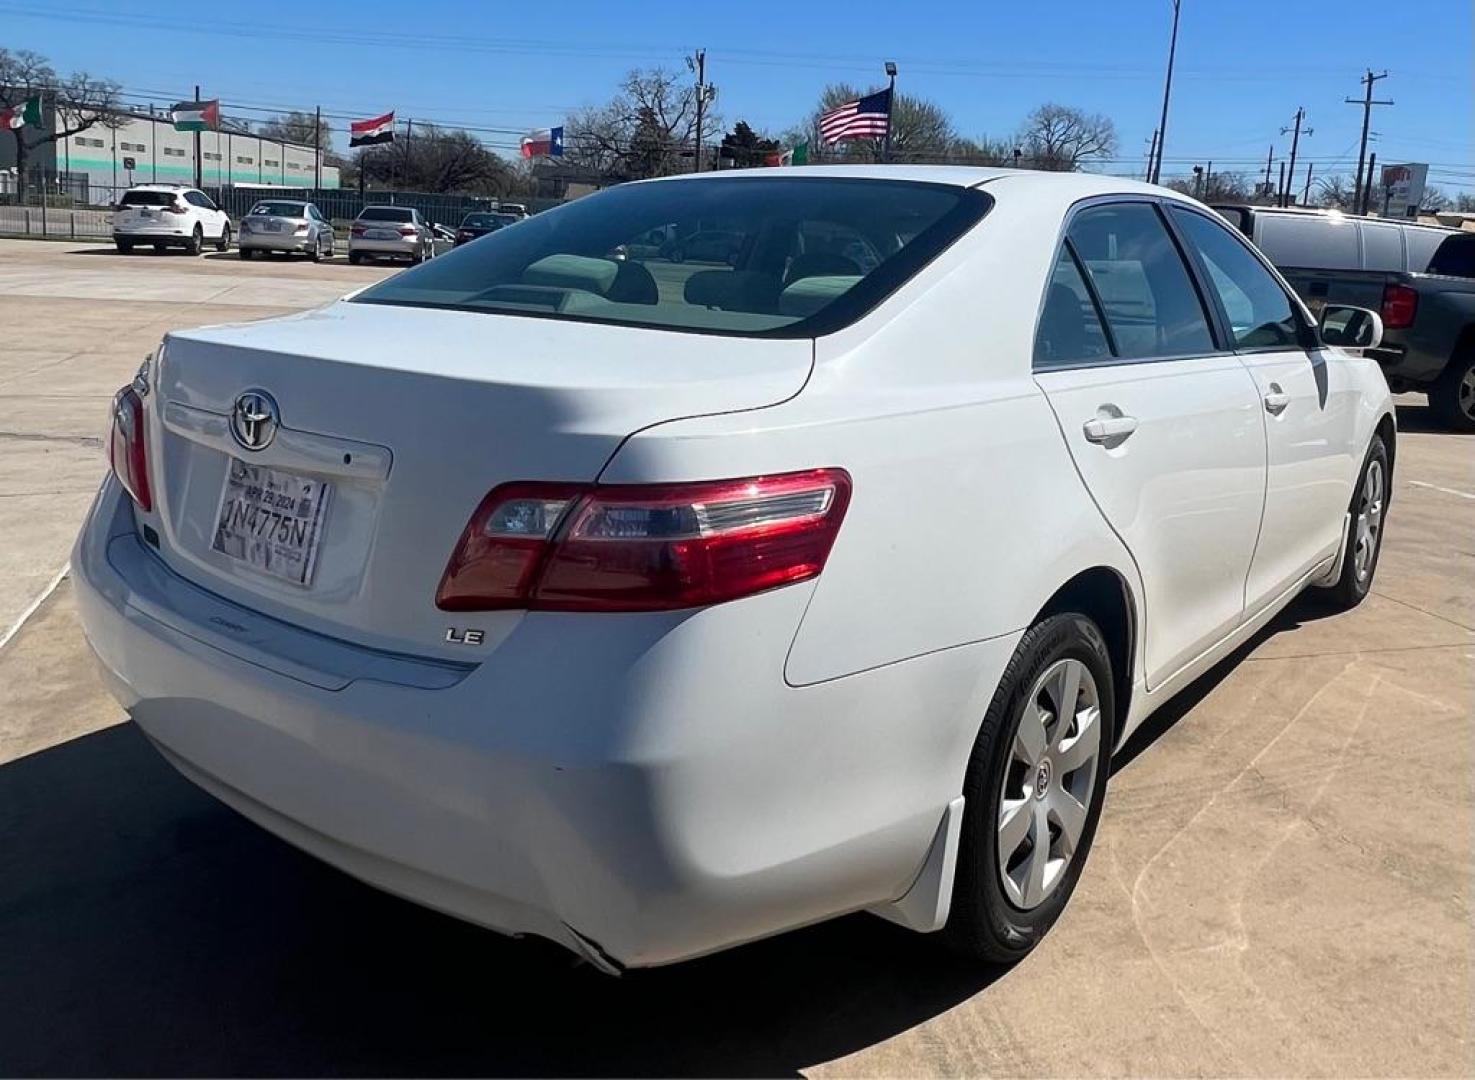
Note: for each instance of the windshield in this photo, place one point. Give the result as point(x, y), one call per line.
point(279, 209)
point(386, 213)
point(770, 256)
point(148, 198)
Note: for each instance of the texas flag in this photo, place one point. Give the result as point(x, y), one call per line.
point(372, 132)
point(548, 143)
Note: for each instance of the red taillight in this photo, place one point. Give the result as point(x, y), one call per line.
point(176, 208)
point(643, 547)
point(1400, 304)
point(407, 230)
point(126, 449)
point(356, 229)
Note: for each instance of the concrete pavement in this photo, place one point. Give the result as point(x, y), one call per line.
point(1281, 883)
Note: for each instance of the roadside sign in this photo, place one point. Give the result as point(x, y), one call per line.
point(130, 164)
point(1404, 189)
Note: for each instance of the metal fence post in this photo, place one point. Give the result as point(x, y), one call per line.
point(43, 212)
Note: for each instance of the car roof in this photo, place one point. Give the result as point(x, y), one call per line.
point(1332, 213)
point(1081, 184)
point(163, 187)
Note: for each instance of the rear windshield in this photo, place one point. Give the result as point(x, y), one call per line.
point(1455, 257)
point(772, 257)
point(148, 198)
point(278, 209)
point(386, 213)
point(483, 221)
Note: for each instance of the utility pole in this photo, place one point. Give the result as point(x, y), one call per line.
point(1198, 181)
point(1162, 127)
point(1367, 104)
point(890, 108)
point(199, 174)
point(1281, 185)
point(1269, 162)
point(1151, 157)
point(1285, 194)
point(1208, 179)
point(705, 94)
point(317, 149)
point(409, 134)
point(1367, 192)
point(1306, 194)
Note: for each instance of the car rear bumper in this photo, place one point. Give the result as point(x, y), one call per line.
point(407, 247)
point(273, 242)
point(155, 234)
point(641, 788)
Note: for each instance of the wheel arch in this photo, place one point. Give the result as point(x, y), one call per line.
point(1103, 595)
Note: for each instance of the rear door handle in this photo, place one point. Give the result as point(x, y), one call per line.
point(1103, 429)
point(1276, 400)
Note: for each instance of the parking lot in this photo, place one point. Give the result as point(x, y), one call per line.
point(1281, 883)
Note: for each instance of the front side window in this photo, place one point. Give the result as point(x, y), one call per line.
point(1146, 294)
point(1260, 313)
point(749, 256)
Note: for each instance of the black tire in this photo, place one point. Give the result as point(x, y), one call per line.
point(245, 253)
point(196, 241)
point(223, 244)
point(316, 254)
point(983, 922)
point(1452, 397)
point(124, 246)
point(355, 258)
point(159, 249)
point(1354, 583)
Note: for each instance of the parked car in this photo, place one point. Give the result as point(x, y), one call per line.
point(1421, 279)
point(169, 215)
point(396, 231)
point(481, 223)
point(512, 209)
point(653, 621)
point(710, 245)
point(286, 225)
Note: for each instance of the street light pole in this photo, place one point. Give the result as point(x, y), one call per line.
point(890, 108)
point(1162, 127)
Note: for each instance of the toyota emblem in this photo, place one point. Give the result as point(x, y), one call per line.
point(255, 419)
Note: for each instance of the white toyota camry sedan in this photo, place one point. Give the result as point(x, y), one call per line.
point(655, 607)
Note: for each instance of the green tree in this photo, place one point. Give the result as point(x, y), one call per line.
point(745, 148)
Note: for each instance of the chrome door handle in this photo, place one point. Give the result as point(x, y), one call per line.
point(1276, 400)
point(1103, 429)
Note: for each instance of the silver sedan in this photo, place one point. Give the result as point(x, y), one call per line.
point(286, 225)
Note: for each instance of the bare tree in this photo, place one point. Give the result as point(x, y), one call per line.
point(645, 130)
point(1060, 138)
point(78, 102)
point(301, 128)
point(433, 159)
point(1225, 187)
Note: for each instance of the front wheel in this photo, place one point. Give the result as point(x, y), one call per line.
point(1364, 540)
point(245, 253)
point(355, 258)
point(124, 246)
point(1452, 397)
point(1034, 790)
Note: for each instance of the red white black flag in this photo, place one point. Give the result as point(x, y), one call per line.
point(371, 132)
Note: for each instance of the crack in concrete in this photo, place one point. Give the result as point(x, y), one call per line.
point(92, 442)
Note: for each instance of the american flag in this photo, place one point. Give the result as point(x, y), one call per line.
point(863, 118)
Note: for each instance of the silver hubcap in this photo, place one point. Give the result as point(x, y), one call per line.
point(1048, 782)
point(1467, 394)
point(1369, 521)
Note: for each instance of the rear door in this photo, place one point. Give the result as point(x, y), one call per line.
point(1163, 424)
point(1308, 401)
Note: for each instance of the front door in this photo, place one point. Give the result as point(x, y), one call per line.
point(1306, 398)
point(1164, 425)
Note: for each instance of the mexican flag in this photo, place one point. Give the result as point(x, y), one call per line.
point(794, 155)
point(196, 115)
point(27, 112)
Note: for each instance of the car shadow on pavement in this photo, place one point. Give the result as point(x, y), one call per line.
point(1421, 418)
point(146, 929)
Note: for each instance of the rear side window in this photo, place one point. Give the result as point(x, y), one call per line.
point(1070, 328)
point(1309, 242)
point(386, 213)
point(750, 256)
point(1382, 247)
point(1147, 297)
point(1455, 257)
point(1260, 313)
point(148, 198)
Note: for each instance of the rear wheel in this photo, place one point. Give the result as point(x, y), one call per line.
point(1364, 540)
point(196, 241)
point(316, 253)
point(1034, 790)
point(245, 253)
point(123, 246)
point(355, 258)
point(1452, 397)
point(223, 244)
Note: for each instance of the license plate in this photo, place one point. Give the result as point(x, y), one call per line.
point(272, 520)
point(273, 226)
point(146, 214)
point(382, 234)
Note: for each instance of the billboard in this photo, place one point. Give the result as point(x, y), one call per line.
point(1403, 189)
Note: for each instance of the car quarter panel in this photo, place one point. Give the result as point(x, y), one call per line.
point(966, 513)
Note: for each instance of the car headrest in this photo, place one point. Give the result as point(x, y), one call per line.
point(733, 290)
point(803, 298)
point(821, 264)
point(573, 272)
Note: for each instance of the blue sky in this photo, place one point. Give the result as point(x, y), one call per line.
point(1243, 68)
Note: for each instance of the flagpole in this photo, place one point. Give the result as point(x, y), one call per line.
point(890, 108)
point(199, 174)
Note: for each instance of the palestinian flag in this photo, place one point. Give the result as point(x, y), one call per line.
point(545, 143)
point(196, 115)
point(372, 132)
point(27, 112)
point(795, 155)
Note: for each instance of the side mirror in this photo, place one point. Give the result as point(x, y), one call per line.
point(1350, 327)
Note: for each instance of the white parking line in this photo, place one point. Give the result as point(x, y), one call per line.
point(33, 605)
point(1447, 491)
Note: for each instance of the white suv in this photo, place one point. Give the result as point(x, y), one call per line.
point(169, 215)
